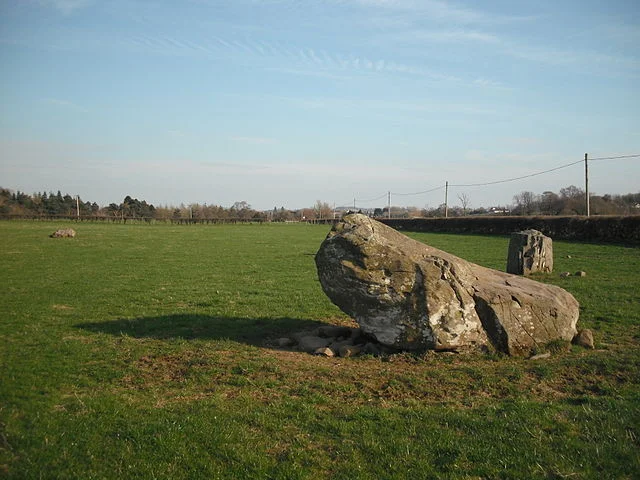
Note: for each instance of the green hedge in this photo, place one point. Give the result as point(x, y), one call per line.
point(612, 229)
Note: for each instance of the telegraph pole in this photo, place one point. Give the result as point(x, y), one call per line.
point(389, 204)
point(78, 206)
point(586, 183)
point(446, 199)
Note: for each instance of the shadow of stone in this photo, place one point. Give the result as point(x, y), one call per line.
point(253, 331)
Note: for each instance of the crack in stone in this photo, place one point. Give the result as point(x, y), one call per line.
point(517, 320)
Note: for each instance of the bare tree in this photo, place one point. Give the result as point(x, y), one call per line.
point(323, 210)
point(526, 202)
point(464, 201)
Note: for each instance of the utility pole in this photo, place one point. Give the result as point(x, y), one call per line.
point(354, 204)
point(586, 183)
point(446, 199)
point(389, 204)
point(78, 206)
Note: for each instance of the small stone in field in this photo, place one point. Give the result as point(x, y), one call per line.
point(568, 256)
point(64, 233)
point(349, 351)
point(540, 356)
point(565, 274)
point(581, 273)
point(324, 352)
point(584, 338)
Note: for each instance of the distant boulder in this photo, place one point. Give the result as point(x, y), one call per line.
point(412, 296)
point(530, 251)
point(64, 233)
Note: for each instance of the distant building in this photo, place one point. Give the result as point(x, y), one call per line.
point(498, 211)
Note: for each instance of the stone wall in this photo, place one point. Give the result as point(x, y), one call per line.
point(610, 229)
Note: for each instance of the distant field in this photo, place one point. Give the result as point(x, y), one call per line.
point(142, 351)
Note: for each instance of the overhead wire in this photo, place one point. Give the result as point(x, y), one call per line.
point(514, 178)
point(613, 158)
point(371, 199)
point(419, 193)
point(495, 182)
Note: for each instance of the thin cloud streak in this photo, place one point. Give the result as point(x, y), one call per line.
point(441, 36)
point(323, 63)
point(65, 104)
point(255, 140)
point(437, 10)
point(66, 7)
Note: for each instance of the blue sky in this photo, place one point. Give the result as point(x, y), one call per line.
point(285, 102)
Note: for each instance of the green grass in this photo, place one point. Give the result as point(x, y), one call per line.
point(137, 351)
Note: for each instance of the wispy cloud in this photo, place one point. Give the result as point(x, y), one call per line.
point(440, 10)
point(289, 58)
point(65, 104)
point(309, 73)
point(561, 57)
point(177, 134)
point(66, 7)
point(255, 140)
point(442, 36)
point(418, 106)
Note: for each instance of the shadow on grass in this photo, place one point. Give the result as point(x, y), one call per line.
point(253, 331)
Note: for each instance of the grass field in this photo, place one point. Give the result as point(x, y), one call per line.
point(137, 351)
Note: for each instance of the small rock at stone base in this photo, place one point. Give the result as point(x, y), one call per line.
point(540, 356)
point(584, 338)
point(297, 336)
point(349, 351)
point(568, 256)
point(565, 274)
point(334, 331)
point(337, 345)
point(285, 342)
point(312, 343)
point(324, 352)
point(581, 274)
point(358, 336)
point(371, 349)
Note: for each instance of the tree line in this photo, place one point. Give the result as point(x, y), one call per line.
point(568, 201)
point(571, 201)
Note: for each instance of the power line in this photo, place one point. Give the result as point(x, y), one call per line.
point(613, 158)
point(495, 182)
point(515, 178)
point(371, 199)
point(419, 193)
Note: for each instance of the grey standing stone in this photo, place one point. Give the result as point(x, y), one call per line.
point(530, 251)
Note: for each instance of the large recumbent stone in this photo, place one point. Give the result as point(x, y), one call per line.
point(411, 296)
